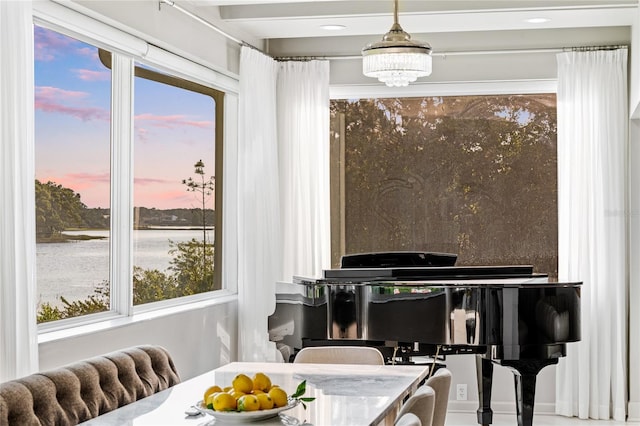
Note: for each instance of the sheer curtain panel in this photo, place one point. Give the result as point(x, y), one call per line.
point(18, 333)
point(592, 145)
point(259, 238)
point(303, 141)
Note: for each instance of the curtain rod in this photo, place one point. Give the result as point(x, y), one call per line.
point(208, 24)
point(469, 52)
point(346, 57)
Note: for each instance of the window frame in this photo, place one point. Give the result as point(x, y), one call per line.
point(126, 51)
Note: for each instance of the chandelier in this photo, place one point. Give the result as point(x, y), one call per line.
point(396, 60)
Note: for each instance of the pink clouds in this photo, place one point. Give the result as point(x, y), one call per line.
point(48, 92)
point(90, 177)
point(142, 134)
point(94, 190)
point(84, 182)
point(170, 199)
point(171, 121)
point(90, 75)
point(149, 181)
point(89, 52)
point(47, 43)
point(52, 99)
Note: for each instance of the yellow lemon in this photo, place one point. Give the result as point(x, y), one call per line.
point(209, 401)
point(256, 391)
point(236, 394)
point(210, 391)
point(261, 382)
point(266, 403)
point(222, 401)
point(242, 383)
point(227, 388)
point(248, 403)
point(278, 396)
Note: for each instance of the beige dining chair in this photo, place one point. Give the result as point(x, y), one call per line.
point(408, 419)
point(420, 404)
point(440, 382)
point(339, 355)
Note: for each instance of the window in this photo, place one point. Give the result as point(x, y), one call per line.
point(177, 163)
point(471, 175)
point(72, 140)
point(175, 217)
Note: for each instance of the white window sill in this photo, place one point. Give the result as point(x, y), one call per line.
point(112, 321)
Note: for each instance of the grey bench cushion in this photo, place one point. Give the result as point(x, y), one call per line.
point(84, 390)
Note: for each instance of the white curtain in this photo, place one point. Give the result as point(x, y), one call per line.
point(303, 134)
point(283, 187)
point(18, 333)
point(592, 146)
point(259, 238)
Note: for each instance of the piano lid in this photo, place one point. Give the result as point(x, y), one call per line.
point(397, 258)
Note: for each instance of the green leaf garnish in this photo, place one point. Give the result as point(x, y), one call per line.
point(302, 388)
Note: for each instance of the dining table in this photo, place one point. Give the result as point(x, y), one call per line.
point(344, 395)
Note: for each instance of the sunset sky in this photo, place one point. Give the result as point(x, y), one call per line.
point(174, 128)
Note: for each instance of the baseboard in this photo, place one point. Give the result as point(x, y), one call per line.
point(633, 412)
point(499, 407)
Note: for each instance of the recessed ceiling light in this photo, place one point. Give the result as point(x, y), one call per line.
point(333, 27)
point(537, 20)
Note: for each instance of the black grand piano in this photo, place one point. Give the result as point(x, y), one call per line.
point(410, 304)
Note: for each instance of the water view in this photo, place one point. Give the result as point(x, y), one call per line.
point(73, 269)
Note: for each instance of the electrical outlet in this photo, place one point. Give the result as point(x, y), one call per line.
point(461, 392)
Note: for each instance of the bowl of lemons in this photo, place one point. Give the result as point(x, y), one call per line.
point(249, 399)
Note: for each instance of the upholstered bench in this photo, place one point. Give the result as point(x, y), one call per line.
point(84, 390)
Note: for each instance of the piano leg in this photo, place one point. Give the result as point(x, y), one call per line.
point(525, 372)
point(484, 371)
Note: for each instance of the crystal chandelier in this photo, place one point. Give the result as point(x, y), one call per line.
point(396, 60)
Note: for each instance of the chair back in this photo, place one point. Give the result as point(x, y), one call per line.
point(340, 355)
point(440, 382)
point(408, 419)
point(421, 404)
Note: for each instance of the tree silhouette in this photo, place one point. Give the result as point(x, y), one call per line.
point(57, 208)
point(205, 188)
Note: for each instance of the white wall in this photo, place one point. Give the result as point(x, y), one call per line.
point(463, 369)
point(198, 340)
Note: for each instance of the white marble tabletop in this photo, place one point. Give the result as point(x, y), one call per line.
point(350, 395)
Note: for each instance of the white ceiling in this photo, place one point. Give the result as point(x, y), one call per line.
point(284, 19)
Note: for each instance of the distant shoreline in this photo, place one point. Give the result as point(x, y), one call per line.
point(173, 228)
point(64, 238)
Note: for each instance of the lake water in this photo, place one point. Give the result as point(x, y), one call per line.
point(73, 269)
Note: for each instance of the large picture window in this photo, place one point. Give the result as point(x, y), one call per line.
point(176, 149)
point(470, 175)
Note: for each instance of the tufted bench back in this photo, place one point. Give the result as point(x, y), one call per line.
point(84, 390)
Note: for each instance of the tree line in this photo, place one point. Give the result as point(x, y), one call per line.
point(470, 175)
point(191, 269)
